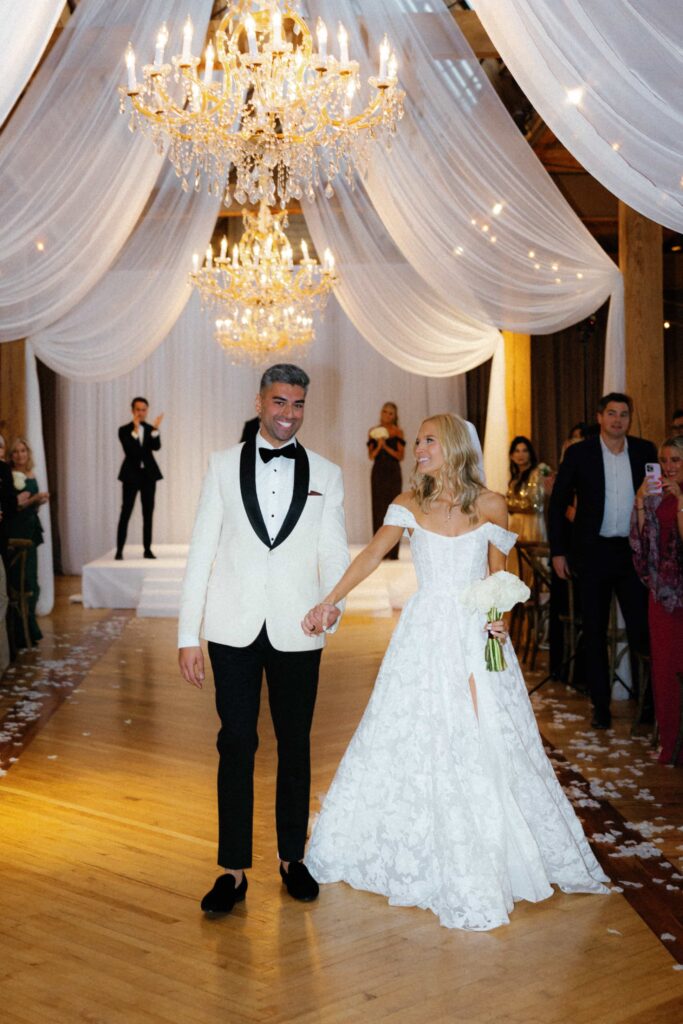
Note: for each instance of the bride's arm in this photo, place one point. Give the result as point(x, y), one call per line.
point(325, 613)
point(493, 509)
point(365, 563)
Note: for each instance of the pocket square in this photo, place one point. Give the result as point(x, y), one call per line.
point(314, 494)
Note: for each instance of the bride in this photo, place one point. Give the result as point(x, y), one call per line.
point(445, 798)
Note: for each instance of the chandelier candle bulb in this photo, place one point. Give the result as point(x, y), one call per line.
point(235, 256)
point(328, 259)
point(188, 32)
point(224, 247)
point(321, 33)
point(195, 262)
point(209, 257)
point(384, 52)
point(208, 64)
point(304, 251)
point(250, 26)
point(343, 38)
point(162, 39)
point(130, 65)
point(276, 32)
point(393, 67)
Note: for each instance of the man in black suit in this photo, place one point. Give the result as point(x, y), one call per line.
point(139, 472)
point(603, 473)
point(8, 505)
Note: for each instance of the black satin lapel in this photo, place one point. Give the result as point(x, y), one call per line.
point(301, 478)
point(248, 489)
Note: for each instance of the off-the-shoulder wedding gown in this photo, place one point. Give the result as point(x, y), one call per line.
point(436, 804)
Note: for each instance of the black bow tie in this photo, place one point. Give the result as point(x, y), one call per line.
point(288, 452)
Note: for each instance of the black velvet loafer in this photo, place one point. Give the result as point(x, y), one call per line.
point(300, 883)
point(224, 895)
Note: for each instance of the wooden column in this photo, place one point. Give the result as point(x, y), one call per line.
point(12, 390)
point(640, 261)
point(518, 383)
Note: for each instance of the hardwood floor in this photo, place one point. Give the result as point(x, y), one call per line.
point(107, 842)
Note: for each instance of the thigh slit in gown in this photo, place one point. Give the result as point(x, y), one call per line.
point(445, 798)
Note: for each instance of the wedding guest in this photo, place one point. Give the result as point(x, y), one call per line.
point(677, 423)
point(527, 492)
point(386, 448)
point(26, 525)
point(139, 472)
point(603, 473)
point(8, 508)
point(657, 543)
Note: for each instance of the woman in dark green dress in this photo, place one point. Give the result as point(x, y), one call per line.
point(27, 526)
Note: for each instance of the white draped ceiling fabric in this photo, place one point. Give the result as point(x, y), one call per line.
point(608, 80)
point(25, 31)
point(74, 180)
point(136, 302)
point(463, 195)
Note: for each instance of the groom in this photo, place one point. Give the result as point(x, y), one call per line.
point(268, 542)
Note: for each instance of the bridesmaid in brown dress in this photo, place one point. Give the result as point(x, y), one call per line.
point(386, 448)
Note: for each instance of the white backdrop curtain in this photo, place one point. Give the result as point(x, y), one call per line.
point(206, 401)
point(25, 31)
point(464, 196)
point(74, 180)
point(625, 58)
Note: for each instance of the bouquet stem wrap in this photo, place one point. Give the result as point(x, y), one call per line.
point(493, 652)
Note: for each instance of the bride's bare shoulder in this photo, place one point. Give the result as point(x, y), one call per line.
point(492, 507)
point(407, 500)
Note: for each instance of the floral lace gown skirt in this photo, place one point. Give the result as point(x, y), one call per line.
point(437, 804)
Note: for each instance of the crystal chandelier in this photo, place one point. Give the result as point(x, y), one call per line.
point(284, 114)
point(265, 302)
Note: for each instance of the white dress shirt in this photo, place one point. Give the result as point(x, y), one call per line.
point(274, 487)
point(619, 492)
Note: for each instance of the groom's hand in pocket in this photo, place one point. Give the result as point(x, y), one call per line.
point(191, 662)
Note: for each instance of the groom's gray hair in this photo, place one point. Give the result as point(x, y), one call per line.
point(285, 373)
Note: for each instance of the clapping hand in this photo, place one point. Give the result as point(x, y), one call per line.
point(320, 618)
point(157, 422)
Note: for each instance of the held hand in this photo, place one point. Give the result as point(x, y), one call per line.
point(330, 614)
point(23, 499)
point(157, 422)
point(561, 567)
point(191, 662)
point(320, 618)
point(42, 497)
point(497, 629)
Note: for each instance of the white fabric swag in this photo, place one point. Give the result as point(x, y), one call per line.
point(608, 80)
point(74, 180)
point(137, 301)
point(25, 31)
point(464, 196)
point(206, 401)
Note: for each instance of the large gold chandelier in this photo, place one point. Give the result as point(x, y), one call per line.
point(285, 114)
point(265, 302)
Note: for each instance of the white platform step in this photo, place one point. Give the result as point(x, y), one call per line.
point(153, 587)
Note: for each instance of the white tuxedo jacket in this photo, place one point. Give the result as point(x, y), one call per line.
point(236, 579)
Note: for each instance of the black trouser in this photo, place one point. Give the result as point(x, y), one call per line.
point(292, 678)
point(147, 489)
point(604, 568)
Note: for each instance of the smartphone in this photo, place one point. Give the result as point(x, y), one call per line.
point(653, 474)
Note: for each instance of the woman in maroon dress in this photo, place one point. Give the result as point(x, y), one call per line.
point(386, 448)
point(657, 543)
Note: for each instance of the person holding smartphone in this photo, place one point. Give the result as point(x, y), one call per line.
point(657, 545)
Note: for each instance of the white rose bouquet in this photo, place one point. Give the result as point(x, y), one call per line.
point(19, 480)
point(492, 596)
point(379, 433)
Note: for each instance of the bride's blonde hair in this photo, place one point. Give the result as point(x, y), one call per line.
point(460, 472)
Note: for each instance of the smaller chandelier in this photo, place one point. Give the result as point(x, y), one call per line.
point(285, 114)
point(265, 302)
